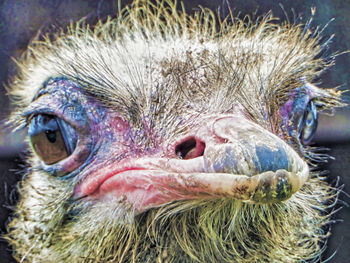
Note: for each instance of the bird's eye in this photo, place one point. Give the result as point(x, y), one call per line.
point(308, 123)
point(52, 138)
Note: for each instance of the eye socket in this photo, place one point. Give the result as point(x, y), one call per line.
point(51, 138)
point(308, 123)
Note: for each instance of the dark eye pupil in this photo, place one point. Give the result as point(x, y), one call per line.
point(51, 136)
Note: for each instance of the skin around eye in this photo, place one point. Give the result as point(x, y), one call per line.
point(48, 139)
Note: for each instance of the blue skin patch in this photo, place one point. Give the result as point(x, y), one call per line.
point(263, 157)
point(293, 109)
point(270, 160)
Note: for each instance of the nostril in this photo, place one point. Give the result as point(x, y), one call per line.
point(190, 148)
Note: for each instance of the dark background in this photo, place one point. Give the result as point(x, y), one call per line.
point(21, 20)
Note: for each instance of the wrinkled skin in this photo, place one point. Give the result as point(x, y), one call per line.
point(179, 145)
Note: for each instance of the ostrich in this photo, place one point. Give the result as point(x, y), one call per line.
point(159, 136)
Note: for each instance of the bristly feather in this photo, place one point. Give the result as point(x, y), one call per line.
point(277, 57)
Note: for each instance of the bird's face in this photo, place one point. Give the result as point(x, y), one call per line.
point(178, 130)
point(212, 155)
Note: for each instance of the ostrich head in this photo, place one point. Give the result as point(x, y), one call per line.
point(159, 136)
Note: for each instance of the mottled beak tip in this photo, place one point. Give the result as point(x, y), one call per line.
point(274, 169)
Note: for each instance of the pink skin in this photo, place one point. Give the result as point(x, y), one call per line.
point(163, 177)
